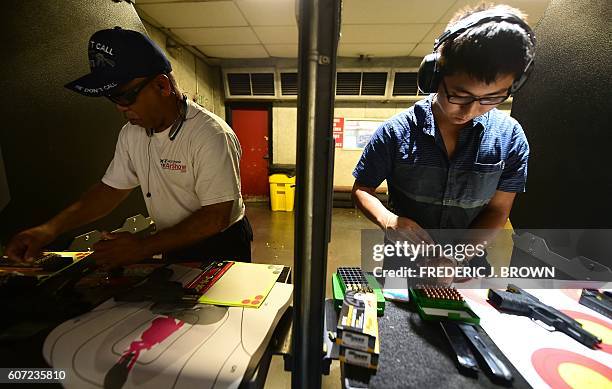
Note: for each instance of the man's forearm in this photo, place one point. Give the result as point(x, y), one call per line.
point(490, 219)
point(97, 202)
point(202, 224)
point(370, 205)
point(485, 228)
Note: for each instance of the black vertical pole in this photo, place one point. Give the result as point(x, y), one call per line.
point(319, 24)
point(5, 195)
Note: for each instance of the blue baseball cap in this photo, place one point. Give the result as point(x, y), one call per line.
point(117, 56)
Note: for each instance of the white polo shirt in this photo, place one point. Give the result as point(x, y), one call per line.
point(200, 167)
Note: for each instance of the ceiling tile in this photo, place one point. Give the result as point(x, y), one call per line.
point(216, 35)
point(435, 32)
point(394, 11)
point(421, 50)
point(262, 28)
point(379, 33)
point(277, 34)
point(375, 50)
point(283, 51)
point(234, 51)
point(268, 12)
point(209, 14)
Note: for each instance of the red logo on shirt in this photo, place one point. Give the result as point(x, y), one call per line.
point(170, 164)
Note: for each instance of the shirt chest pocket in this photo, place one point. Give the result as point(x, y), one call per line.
point(486, 168)
point(478, 185)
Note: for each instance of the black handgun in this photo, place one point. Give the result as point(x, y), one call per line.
point(516, 301)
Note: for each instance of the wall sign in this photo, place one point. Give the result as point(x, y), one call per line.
point(357, 132)
point(339, 132)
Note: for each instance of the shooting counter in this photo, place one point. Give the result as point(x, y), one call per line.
point(188, 325)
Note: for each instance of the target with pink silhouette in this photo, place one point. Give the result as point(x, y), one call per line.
point(126, 345)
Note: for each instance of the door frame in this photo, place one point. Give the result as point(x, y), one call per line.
point(254, 104)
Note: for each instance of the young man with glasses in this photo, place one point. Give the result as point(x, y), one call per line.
point(184, 158)
point(453, 161)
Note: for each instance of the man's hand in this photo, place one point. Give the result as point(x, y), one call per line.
point(118, 249)
point(98, 201)
point(399, 228)
point(28, 244)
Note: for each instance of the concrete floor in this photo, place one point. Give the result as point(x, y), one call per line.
point(273, 237)
point(273, 243)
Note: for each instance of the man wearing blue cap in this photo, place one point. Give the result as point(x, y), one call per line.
point(184, 158)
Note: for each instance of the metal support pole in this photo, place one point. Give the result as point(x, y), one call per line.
point(5, 195)
point(319, 24)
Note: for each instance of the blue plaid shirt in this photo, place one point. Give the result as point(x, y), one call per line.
point(408, 151)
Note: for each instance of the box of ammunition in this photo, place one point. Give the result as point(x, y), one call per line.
point(358, 323)
point(360, 358)
point(436, 303)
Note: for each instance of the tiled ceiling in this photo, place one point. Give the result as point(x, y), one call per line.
point(268, 28)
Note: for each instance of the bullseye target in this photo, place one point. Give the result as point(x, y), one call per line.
point(563, 369)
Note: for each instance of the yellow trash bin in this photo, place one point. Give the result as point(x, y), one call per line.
point(282, 192)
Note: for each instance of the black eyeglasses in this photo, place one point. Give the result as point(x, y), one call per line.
point(465, 100)
point(129, 97)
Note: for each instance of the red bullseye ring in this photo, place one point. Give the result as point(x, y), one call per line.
point(548, 363)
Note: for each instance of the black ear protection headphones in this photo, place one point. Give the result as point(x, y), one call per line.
point(430, 71)
point(178, 123)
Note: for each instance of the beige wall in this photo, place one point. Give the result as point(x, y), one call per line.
point(199, 81)
point(285, 129)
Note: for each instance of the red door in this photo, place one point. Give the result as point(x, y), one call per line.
point(251, 127)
